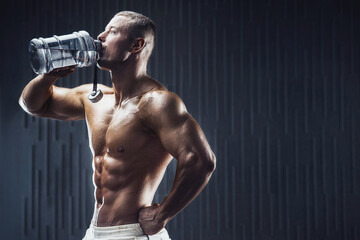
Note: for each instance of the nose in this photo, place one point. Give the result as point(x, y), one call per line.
point(101, 36)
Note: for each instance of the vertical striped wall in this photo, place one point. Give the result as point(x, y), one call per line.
point(274, 84)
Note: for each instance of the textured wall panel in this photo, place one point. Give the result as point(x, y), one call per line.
point(274, 85)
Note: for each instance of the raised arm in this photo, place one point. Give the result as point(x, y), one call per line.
point(182, 137)
point(42, 99)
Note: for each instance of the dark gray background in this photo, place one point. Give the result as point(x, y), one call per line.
point(274, 84)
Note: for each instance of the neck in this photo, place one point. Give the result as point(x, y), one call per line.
point(125, 80)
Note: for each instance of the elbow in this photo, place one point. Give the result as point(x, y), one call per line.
point(213, 159)
point(211, 163)
point(28, 110)
point(23, 105)
point(207, 164)
point(202, 164)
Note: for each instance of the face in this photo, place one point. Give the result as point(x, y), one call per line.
point(116, 45)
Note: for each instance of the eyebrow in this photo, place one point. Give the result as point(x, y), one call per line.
point(109, 27)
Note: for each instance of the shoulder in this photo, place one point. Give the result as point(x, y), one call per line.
point(82, 92)
point(161, 102)
point(86, 88)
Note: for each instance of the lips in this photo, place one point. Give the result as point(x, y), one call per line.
point(102, 50)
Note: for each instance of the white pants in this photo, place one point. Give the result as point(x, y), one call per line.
point(122, 232)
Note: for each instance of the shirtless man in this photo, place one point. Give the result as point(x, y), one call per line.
point(134, 132)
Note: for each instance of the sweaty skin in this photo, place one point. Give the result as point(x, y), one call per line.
point(134, 132)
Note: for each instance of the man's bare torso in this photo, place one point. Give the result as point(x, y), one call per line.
point(129, 159)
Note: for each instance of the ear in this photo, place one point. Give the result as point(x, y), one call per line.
point(138, 45)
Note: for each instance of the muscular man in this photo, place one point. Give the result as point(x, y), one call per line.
point(134, 132)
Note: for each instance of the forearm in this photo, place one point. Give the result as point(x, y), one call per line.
point(37, 92)
point(190, 179)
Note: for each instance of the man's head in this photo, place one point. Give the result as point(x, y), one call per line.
point(127, 33)
point(140, 27)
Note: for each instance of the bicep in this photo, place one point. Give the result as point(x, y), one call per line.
point(177, 130)
point(64, 104)
point(184, 136)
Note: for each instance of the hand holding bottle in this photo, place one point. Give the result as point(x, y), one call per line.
point(60, 72)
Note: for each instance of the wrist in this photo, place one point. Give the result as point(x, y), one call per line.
point(160, 217)
point(49, 77)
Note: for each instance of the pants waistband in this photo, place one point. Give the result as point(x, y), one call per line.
point(132, 226)
point(126, 231)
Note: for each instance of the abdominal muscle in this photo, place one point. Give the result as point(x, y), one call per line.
point(123, 187)
point(129, 161)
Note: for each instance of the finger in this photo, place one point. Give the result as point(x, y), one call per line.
point(156, 204)
point(147, 217)
point(65, 69)
point(144, 213)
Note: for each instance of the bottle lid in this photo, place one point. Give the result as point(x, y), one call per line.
point(97, 45)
